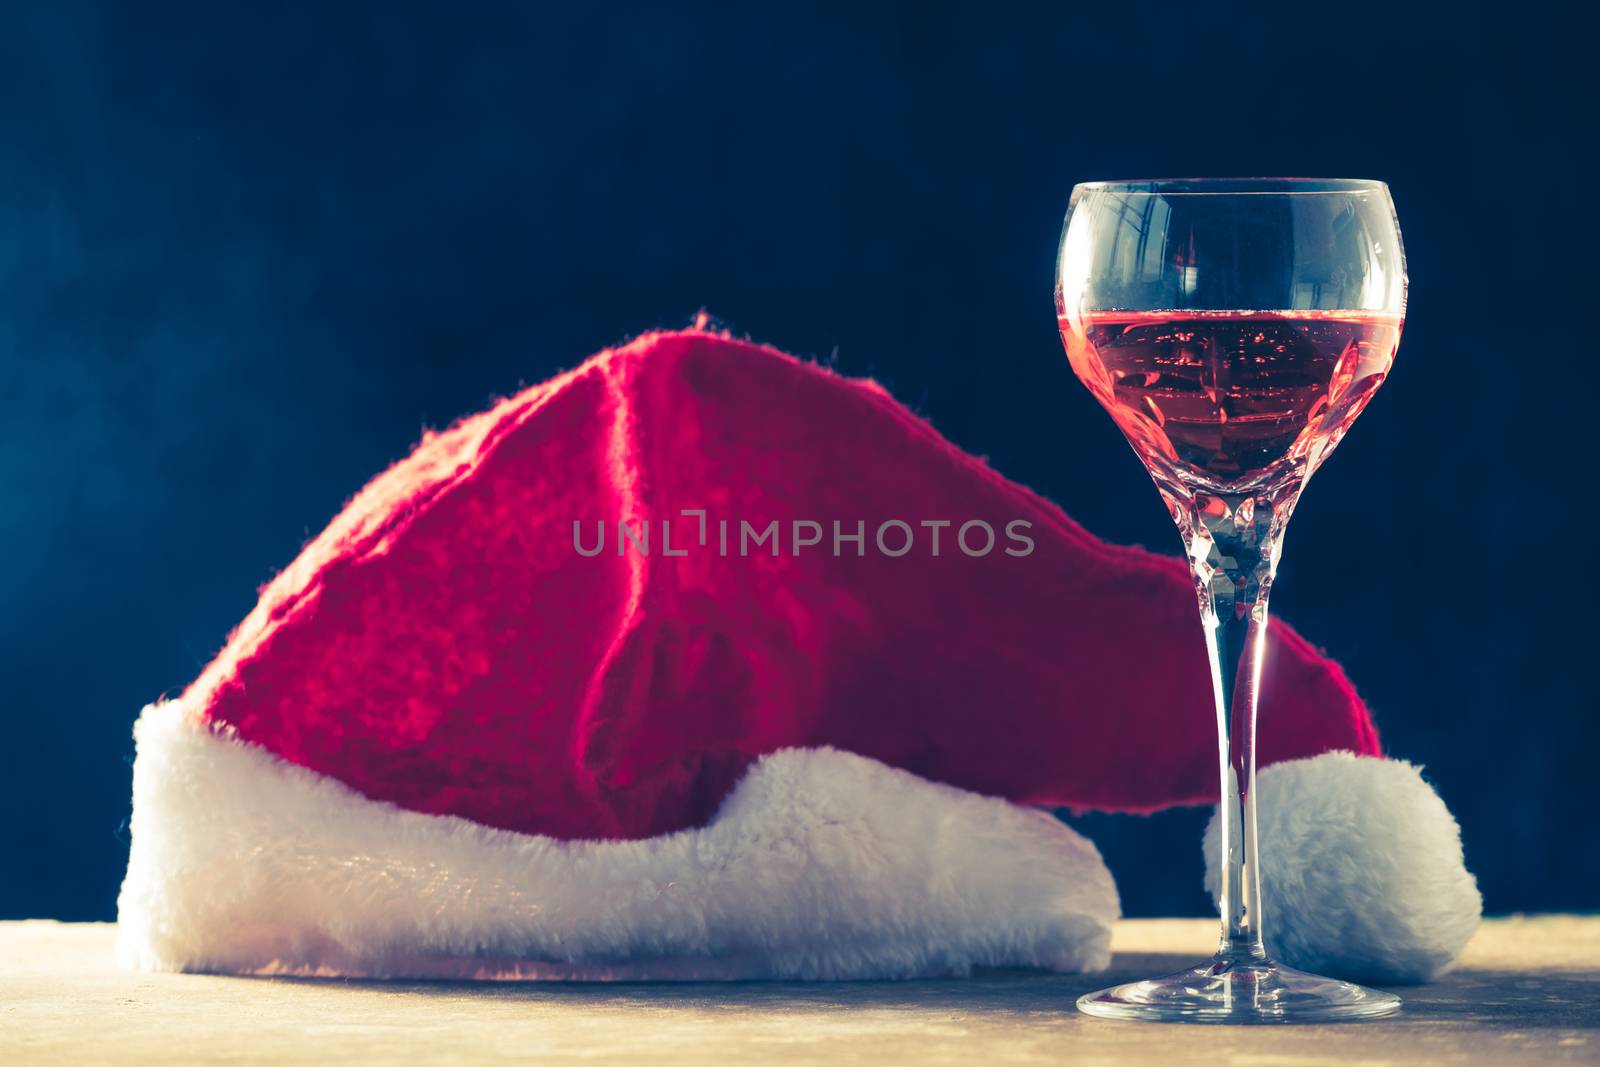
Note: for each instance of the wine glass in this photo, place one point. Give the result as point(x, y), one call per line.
point(1234, 329)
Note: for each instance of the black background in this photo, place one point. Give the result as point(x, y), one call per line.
point(248, 252)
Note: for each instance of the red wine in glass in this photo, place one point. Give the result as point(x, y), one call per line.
point(1165, 291)
point(1232, 399)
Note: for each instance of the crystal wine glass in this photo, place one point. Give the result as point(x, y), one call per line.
point(1234, 329)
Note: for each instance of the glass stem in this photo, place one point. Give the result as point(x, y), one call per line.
point(1233, 544)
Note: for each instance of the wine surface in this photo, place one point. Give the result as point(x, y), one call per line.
point(1232, 400)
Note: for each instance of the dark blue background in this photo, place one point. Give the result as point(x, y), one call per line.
point(248, 253)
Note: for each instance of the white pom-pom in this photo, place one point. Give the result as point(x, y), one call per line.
point(1361, 869)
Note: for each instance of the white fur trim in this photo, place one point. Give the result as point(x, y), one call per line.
point(1361, 869)
point(819, 865)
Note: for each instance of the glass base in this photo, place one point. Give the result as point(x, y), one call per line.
point(1225, 991)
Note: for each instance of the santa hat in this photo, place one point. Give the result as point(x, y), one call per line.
point(700, 661)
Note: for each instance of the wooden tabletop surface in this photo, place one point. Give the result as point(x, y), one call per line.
point(1527, 991)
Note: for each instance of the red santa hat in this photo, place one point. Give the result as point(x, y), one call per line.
point(700, 661)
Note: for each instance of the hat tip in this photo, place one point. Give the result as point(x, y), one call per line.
point(1362, 870)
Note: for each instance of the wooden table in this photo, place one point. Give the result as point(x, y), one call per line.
point(1528, 991)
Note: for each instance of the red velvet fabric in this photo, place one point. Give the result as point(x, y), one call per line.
point(444, 646)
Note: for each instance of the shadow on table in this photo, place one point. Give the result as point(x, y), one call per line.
point(1507, 1000)
point(1487, 999)
point(1001, 988)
